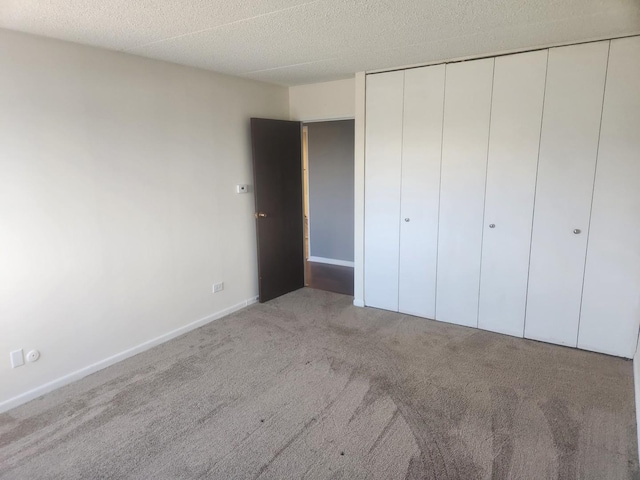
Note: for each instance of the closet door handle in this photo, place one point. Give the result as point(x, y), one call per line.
point(577, 231)
point(407, 219)
point(492, 225)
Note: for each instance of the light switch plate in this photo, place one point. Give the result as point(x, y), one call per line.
point(17, 358)
point(242, 188)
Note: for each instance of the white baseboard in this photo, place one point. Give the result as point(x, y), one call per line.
point(358, 303)
point(118, 357)
point(331, 261)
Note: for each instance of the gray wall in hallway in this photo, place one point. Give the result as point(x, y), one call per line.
point(331, 176)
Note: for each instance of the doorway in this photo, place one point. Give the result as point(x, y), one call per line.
point(328, 191)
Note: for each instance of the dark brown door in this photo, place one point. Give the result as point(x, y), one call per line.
point(277, 179)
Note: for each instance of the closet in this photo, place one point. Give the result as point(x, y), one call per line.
point(421, 150)
point(504, 194)
point(611, 295)
point(383, 144)
point(516, 117)
point(464, 163)
point(566, 169)
point(402, 175)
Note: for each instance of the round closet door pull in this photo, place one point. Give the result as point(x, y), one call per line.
point(406, 219)
point(492, 225)
point(577, 231)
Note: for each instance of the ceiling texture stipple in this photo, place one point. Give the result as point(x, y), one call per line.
point(294, 42)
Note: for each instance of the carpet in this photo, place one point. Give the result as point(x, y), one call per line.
point(309, 386)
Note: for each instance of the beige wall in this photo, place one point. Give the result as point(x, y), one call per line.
point(323, 101)
point(118, 208)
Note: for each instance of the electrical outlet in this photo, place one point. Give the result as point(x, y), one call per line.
point(218, 287)
point(242, 188)
point(17, 358)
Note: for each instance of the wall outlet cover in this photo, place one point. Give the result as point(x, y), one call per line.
point(218, 287)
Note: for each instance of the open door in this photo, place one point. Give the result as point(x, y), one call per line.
point(277, 179)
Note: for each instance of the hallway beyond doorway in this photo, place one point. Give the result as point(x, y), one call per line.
point(332, 278)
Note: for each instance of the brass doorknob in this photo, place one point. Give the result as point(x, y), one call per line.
point(260, 215)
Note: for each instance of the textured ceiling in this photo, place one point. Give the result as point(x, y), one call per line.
point(293, 42)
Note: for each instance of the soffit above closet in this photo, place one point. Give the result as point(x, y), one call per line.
point(294, 42)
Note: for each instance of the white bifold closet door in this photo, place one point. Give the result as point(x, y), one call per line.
point(421, 153)
point(566, 168)
point(516, 115)
point(464, 162)
point(384, 104)
point(610, 313)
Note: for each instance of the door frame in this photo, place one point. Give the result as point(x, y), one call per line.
point(305, 173)
point(305, 183)
point(305, 192)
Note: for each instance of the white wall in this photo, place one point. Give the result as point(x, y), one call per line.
point(323, 101)
point(117, 203)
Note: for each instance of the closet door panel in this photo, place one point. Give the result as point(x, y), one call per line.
point(464, 161)
point(421, 154)
point(384, 103)
point(610, 313)
point(516, 114)
point(568, 150)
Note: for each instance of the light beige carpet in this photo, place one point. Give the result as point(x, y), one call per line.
point(308, 386)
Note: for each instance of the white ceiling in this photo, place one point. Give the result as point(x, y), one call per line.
point(293, 42)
